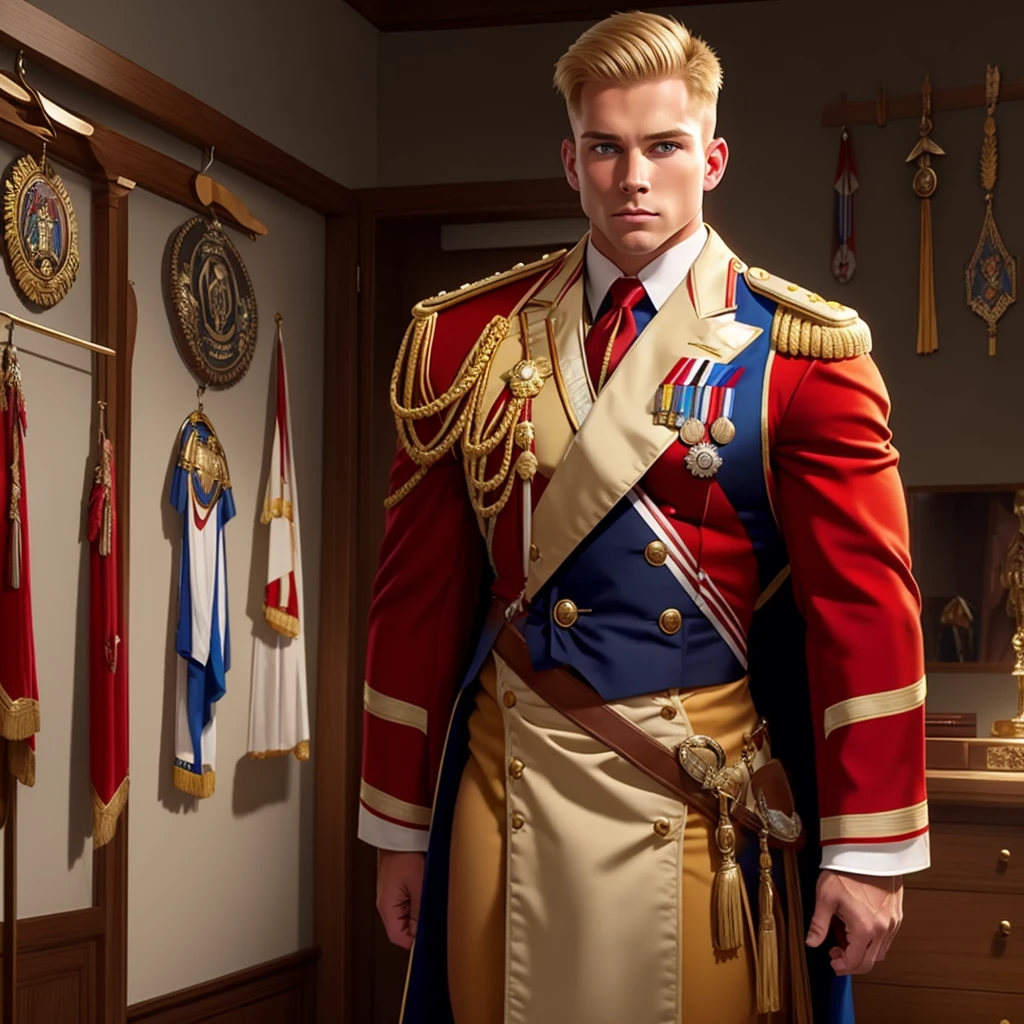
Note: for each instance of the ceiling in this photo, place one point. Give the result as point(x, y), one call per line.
point(409, 15)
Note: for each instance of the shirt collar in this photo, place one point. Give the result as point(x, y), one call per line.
point(660, 278)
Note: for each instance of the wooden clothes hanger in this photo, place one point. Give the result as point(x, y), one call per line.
point(22, 94)
point(210, 193)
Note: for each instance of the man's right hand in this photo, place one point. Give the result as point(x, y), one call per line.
point(399, 885)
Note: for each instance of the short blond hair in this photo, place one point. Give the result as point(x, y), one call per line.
point(634, 47)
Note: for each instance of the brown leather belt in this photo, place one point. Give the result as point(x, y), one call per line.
point(583, 706)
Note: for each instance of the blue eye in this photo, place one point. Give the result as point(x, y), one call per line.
point(671, 146)
point(604, 148)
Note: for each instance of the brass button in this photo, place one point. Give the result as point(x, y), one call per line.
point(670, 621)
point(509, 699)
point(515, 768)
point(1004, 856)
point(661, 827)
point(1004, 927)
point(518, 821)
point(656, 553)
point(566, 613)
point(534, 552)
point(668, 713)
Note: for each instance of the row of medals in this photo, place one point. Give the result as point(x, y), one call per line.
point(703, 459)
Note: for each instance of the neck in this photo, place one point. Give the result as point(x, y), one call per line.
point(632, 263)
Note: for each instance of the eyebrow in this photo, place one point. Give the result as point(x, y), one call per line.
point(671, 133)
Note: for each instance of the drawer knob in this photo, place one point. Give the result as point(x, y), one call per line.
point(1004, 856)
point(1004, 927)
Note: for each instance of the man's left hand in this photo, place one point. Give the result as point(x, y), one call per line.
point(871, 910)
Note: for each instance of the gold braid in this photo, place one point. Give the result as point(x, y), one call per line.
point(465, 417)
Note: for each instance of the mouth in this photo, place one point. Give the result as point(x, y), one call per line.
point(634, 215)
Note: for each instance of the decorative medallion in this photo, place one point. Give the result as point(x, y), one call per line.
point(213, 303)
point(703, 460)
point(40, 231)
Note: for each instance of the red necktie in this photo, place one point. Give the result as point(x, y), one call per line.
point(610, 337)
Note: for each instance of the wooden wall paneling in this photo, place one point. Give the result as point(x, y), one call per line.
point(103, 71)
point(280, 991)
point(114, 324)
point(9, 1003)
point(339, 690)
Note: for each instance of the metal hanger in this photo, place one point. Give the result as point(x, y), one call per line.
point(210, 193)
point(11, 319)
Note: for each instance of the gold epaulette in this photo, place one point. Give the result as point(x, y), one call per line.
point(805, 324)
point(442, 300)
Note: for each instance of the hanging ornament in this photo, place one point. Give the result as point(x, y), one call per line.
point(925, 183)
point(844, 261)
point(40, 230)
point(992, 273)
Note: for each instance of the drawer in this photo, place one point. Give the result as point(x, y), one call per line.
point(900, 1004)
point(952, 940)
point(968, 858)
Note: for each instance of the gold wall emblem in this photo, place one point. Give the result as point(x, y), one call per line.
point(40, 231)
point(213, 305)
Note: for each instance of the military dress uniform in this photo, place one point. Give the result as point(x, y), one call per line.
point(708, 529)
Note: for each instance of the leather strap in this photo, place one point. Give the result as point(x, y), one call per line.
point(583, 706)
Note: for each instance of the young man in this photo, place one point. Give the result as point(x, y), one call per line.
point(645, 495)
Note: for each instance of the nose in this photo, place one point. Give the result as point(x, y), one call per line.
point(635, 180)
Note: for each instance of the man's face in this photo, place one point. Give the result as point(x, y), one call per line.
point(642, 158)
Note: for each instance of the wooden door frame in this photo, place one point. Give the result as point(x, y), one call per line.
point(383, 210)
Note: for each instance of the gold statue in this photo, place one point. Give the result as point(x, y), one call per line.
point(1012, 577)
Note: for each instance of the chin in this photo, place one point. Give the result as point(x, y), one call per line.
point(637, 241)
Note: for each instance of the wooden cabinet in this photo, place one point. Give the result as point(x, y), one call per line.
point(959, 957)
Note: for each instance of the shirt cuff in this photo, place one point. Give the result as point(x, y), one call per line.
point(881, 859)
point(386, 835)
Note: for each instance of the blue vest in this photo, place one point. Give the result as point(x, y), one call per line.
point(618, 645)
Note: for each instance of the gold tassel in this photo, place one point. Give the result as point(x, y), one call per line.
point(106, 816)
point(927, 320)
point(768, 979)
point(15, 510)
point(285, 624)
point(726, 904)
point(199, 786)
point(799, 983)
point(21, 761)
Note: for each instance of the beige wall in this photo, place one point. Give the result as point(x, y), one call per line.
point(218, 885)
point(487, 111)
point(302, 76)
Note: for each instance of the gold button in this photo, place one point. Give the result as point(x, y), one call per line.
point(534, 552)
point(566, 613)
point(518, 821)
point(509, 699)
point(515, 768)
point(668, 713)
point(656, 553)
point(1004, 927)
point(1004, 856)
point(670, 621)
point(661, 827)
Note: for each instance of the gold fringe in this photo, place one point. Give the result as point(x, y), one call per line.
point(14, 511)
point(284, 623)
point(927, 319)
point(300, 750)
point(276, 508)
point(19, 718)
point(793, 335)
point(199, 786)
point(21, 761)
point(769, 981)
point(106, 816)
point(801, 1011)
point(727, 907)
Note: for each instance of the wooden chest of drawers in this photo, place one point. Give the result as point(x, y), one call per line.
point(959, 957)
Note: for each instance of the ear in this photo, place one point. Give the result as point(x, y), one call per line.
point(569, 163)
point(715, 159)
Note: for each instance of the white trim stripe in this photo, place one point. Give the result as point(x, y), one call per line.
point(393, 710)
point(391, 807)
point(687, 579)
point(677, 544)
point(874, 705)
point(900, 822)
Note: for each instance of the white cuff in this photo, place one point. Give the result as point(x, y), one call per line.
point(881, 859)
point(386, 835)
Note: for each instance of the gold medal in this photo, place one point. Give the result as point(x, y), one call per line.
point(692, 431)
point(723, 430)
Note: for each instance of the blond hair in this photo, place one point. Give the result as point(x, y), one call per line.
point(634, 47)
